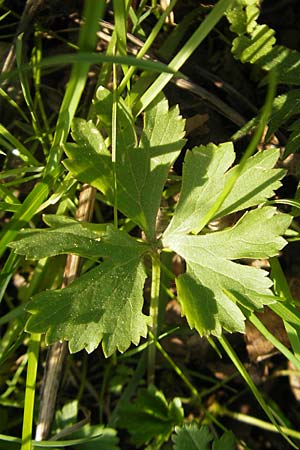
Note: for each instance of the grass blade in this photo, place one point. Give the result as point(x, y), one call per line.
point(182, 56)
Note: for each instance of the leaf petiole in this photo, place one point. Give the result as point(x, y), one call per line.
point(154, 299)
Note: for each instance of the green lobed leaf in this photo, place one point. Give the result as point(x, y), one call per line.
point(190, 437)
point(214, 286)
point(256, 235)
point(151, 417)
point(255, 43)
point(105, 304)
point(252, 49)
point(201, 293)
point(242, 15)
point(141, 169)
point(210, 271)
point(256, 184)
point(89, 159)
point(202, 183)
point(225, 442)
point(285, 61)
point(204, 179)
point(102, 108)
point(68, 235)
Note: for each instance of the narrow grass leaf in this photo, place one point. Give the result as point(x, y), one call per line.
point(182, 56)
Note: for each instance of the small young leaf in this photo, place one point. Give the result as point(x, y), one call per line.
point(151, 417)
point(285, 61)
point(253, 49)
point(226, 442)
point(255, 43)
point(242, 16)
point(190, 437)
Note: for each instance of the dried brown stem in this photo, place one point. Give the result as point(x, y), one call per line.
point(58, 352)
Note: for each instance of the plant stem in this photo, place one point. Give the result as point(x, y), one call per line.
point(33, 355)
point(178, 371)
point(155, 287)
point(58, 352)
point(187, 382)
point(146, 46)
point(259, 397)
point(114, 143)
point(254, 421)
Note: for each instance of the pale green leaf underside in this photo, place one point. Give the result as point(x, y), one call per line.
point(104, 304)
point(204, 179)
point(210, 271)
point(256, 235)
point(201, 292)
point(255, 185)
point(67, 235)
point(202, 183)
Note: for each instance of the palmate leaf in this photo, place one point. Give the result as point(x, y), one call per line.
point(141, 168)
point(151, 417)
point(211, 271)
point(105, 304)
point(205, 173)
point(191, 437)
